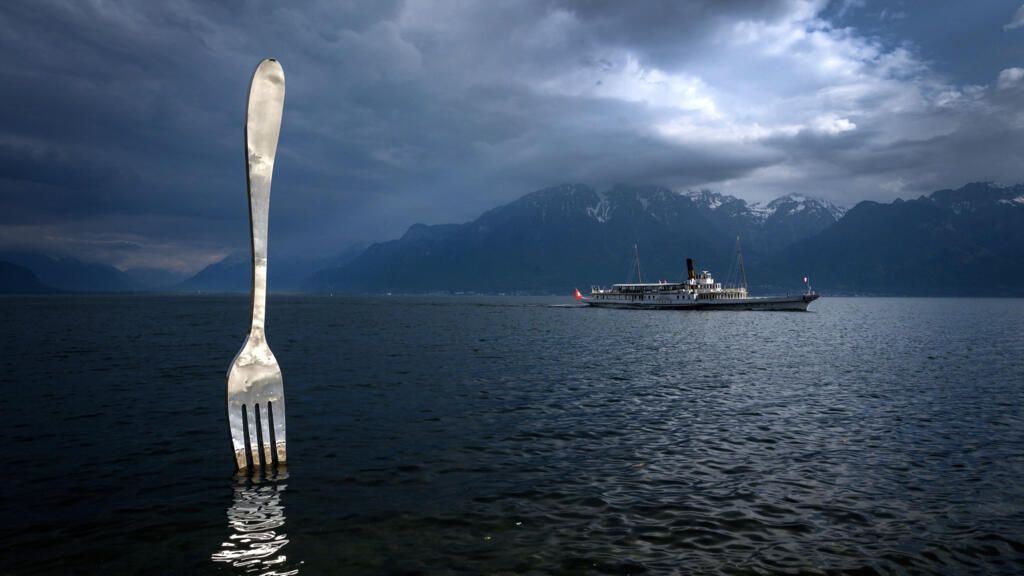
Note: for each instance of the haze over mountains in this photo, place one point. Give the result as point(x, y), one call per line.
point(968, 241)
point(233, 274)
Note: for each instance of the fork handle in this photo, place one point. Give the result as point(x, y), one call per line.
point(262, 128)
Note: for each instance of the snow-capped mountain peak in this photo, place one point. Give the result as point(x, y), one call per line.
point(710, 200)
point(602, 210)
point(792, 204)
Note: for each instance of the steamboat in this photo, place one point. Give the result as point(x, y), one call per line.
point(699, 291)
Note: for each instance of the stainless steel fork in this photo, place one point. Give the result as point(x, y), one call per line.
point(255, 398)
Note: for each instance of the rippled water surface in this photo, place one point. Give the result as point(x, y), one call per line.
point(507, 435)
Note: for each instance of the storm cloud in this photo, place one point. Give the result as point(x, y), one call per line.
point(121, 123)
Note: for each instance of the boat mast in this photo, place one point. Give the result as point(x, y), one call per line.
point(636, 259)
point(739, 263)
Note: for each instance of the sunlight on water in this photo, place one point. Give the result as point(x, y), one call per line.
point(256, 520)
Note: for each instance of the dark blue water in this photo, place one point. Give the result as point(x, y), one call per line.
point(454, 435)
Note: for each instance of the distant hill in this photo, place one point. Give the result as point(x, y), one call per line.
point(234, 273)
point(16, 279)
point(968, 241)
point(71, 275)
point(574, 235)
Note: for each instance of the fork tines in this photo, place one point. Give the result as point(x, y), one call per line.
point(258, 446)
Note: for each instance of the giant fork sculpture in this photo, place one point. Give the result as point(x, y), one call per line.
point(255, 398)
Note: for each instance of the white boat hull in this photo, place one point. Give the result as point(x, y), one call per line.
point(775, 303)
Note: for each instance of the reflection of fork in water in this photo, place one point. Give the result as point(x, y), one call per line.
point(256, 519)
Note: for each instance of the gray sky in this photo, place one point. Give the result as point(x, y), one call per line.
point(121, 124)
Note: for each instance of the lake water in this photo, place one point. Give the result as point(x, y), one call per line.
point(514, 435)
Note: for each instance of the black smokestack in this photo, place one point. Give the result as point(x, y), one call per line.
point(689, 269)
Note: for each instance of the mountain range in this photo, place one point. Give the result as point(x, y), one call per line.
point(557, 238)
point(32, 273)
point(66, 274)
point(967, 241)
point(16, 279)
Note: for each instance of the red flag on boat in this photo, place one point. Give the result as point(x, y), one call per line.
point(578, 295)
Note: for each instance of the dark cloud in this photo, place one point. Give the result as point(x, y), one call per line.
point(121, 124)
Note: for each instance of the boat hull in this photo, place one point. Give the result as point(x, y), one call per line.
point(770, 303)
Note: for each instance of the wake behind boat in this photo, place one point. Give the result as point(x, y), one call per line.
point(699, 291)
